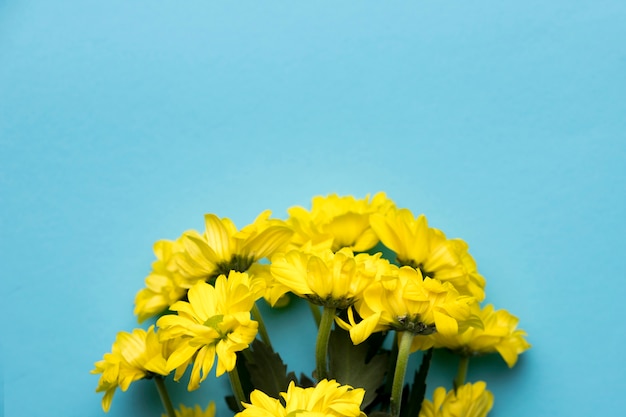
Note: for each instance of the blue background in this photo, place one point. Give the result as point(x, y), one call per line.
point(123, 122)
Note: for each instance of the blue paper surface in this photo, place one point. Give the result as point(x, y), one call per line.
point(123, 122)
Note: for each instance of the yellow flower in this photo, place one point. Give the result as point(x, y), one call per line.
point(133, 356)
point(215, 321)
point(403, 301)
point(338, 222)
point(428, 250)
point(469, 400)
point(326, 399)
point(328, 279)
point(223, 248)
point(500, 334)
point(164, 284)
point(195, 412)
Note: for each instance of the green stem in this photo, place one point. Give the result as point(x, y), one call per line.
point(265, 337)
point(404, 349)
point(317, 316)
point(165, 397)
point(235, 384)
point(323, 335)
point(461, 373)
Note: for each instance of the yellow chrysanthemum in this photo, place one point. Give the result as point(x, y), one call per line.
point(469, 400)
point(164, 284)
point(222, 248)
point(133, 356)
point(195, 411)
point(428, 250)
point(403, 301)
point(326, 399)
point(326, 278)
point(499, 334)
point(338, 222)
point(215, 321)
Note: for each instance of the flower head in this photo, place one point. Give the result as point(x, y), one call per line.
point(338, 222)
point(499, 334)
point(133, 356)
point(222, 248)
point(469, 400)
point(164, 284)
point(326, 399)
point(428, 250)
point(195, 411)
point(215, 322)
point(327, 278)
point(403, 301)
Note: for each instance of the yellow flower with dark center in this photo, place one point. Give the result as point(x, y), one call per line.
point(195, 411)
point(499, 334)
point(336, 222)
point(164, 284)
point(469, 400)
point(326, 399)
point(222, 248)
point(326, 278)
point(133, 356)
point(428, 250)
point(215, 322)
point(403, 301)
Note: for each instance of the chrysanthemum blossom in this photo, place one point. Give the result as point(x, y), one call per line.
point(427, 249)
point(133, 356)
point(164, 284)
point(499, 334)
point(326, 278)
point(327, 399)
point(338, 222)
point(403, 301)
point(215, 322)
point(196, 411)
point(469, 400)
point(222, 248)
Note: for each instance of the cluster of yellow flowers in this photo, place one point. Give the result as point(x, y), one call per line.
point(204, 289)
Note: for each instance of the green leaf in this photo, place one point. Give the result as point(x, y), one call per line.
point(267, 371)
point(413, 403)
point(356, 365)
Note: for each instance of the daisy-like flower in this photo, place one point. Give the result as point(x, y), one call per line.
point(222, 248)
point(404, 301)
point(428, 250)
point(338, 222)
point(469, 400)
point(133, 356)
point(195, 411)
point(326, 278)
point(499, 334)
point(164, 284)
point(327, 399)
point(215, 322)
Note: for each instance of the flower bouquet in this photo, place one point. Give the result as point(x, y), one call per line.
point(384, 288)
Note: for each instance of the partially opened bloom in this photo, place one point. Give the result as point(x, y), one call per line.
point(427, 249)
point(133, 356)
point(222, 248)
point(326, 399)
point(499, 334)
point(404, 301)
point(338, 222)
point(326, 278)
point(164, 284)
point(215, 322)
point(469, 400)
point(196, 411)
